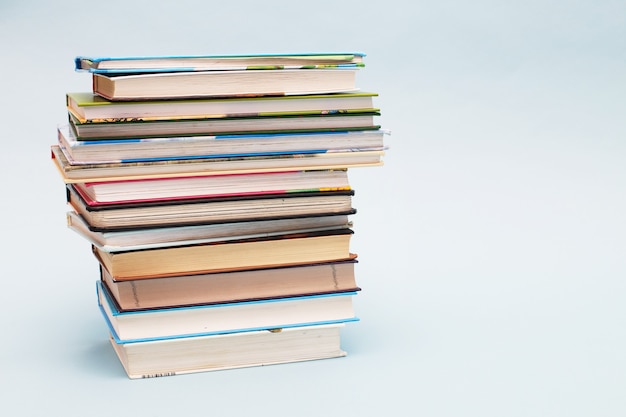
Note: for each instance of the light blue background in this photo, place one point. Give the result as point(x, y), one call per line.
point(492, 243)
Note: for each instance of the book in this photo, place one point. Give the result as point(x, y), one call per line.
point(229, 287)
point(88, 107)
point(180, 356)
point(72, 171)
point(216, 146)
point(292, 122)
point(208, 319)
point(159, 236)
point(206, 211)
point(186, 63)
point(230, 255)
point(214, 193)
point(217, 185)
point(235, 83)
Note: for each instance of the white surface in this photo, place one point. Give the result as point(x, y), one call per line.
point(491, 243)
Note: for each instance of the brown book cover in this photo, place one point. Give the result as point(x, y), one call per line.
point(288, 249)
point(235, 286)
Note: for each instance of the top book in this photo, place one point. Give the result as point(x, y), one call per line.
point(189, 63)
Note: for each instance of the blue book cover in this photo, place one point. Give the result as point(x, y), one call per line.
point(187, 63)
point(213, 319)
point(252, 145)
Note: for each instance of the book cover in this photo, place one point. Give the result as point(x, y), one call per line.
point(186, 63)
point(230, 287)
point(213, 319)
point(72, 171)
point(360, 119)
point(231, 83)
point(218, 185)
point(88, 107)
point(169, 357)
point(268, 251)
point(219, 148)
point(76, 197)
point(208, 211)
point(157, 236)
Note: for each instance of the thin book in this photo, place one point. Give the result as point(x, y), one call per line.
point(159, 236)
point(88, 107)
point(187, 63)
point(72, 171)
point(217, 185)
point(111, 217)
point(216, 146)
point(286, 123)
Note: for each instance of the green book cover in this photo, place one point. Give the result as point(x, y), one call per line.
point(87, 107)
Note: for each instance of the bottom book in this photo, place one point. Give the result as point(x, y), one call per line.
point(171, 357)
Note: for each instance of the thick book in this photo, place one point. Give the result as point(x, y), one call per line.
point(186, 63)
point(230, 255)
point(180, 356)
point(72, 171)
point(195, 84)
point(158, 236)
point(88, 107)
point(217, 185)
point(207, 211)
point(229, 287)
point(216, 146)
point(208, 126)
point(209, 319)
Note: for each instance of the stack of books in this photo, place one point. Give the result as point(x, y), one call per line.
point(214, 193)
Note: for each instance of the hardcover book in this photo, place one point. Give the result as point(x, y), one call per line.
point(180, 356)
point(216, 146)
point(88, 107)
point(288, 249)
point(286, 123)
point(210, 319)
point(196, 84)
point(185, 63)
point(76, 172)
point(212, 210)
point(159, 236)
point(229, 287)
point(217, 185)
